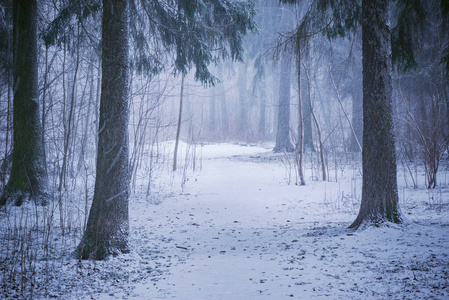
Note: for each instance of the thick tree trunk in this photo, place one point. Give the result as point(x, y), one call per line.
point(283, 142)
point(108, 224)
point(379, 190)
point(28, 177)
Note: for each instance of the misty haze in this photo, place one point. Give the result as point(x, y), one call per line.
point(224, 149)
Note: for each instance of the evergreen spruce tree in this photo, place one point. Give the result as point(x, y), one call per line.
point(108, 225)
point(182, 28)
point(338, 18)
point(379, 189)
point(28, 178)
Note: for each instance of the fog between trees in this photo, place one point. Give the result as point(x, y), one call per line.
point(91, 91)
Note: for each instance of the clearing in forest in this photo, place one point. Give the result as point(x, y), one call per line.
point(239, 228)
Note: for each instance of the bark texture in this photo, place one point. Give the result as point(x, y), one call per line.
point(108, 223)
point(283, 142)
point(379, 190)
point(28, 178)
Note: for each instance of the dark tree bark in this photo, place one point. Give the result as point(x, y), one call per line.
point(379, 190)
point(28, 177)
point(283, 142)
point(108, 224)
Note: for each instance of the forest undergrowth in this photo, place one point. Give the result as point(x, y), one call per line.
point(234, 215)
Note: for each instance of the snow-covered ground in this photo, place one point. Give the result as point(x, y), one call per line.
point(237, 229)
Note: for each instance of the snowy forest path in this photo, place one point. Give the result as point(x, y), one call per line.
point(239, 231)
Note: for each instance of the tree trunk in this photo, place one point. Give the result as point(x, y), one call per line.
point(178, 129)
point(300, 143)
point(83, 143)
point(5, 167)
point(262, 127)
point(224, 119)
point(379, 190)
point(283, 142)
point(357, 97)
point(44, 154)
point(307, 112)
point(107, 227)
point(320, 141)
point(212, 113)
point(243, 105)
point(28, 177)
